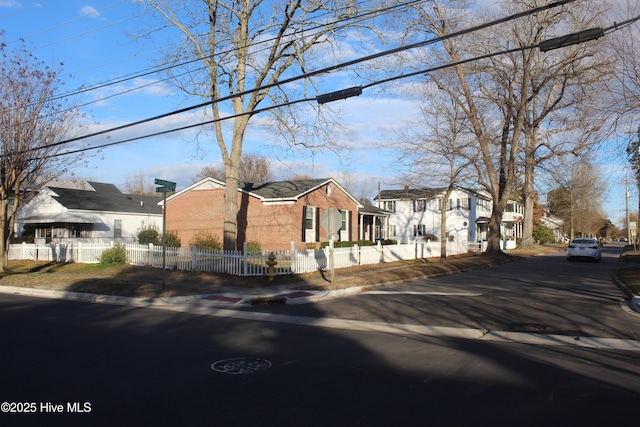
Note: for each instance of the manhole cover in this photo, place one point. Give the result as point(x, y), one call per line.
point(240, 366)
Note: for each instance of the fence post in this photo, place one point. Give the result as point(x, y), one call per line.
point(415, 249)
point(356, 248)
point(245, 263)
point(292, 255)
point(150, 253)
point(194, 258)
point(379, 245)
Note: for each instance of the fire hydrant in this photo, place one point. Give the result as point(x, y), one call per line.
point(271, 266)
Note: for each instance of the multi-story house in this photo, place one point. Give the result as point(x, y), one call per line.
point(416, 214)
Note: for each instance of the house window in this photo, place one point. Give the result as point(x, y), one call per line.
point(344, 229)
point(389, 205)
point(391, 230)
point(310, 227)
point(419, 230)
point(463, 203)
point(419, 205)
point(117, 228)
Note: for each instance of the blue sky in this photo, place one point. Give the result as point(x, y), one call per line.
point(93, 41)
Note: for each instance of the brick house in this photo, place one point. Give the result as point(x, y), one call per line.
point(273, 214)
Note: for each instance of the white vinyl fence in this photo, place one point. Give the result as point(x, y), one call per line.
point(239, 263)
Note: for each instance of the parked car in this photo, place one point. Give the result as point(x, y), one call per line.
point(584, 247)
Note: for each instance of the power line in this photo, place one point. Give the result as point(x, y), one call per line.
point(155, 70)
point(152, 71)
point(62, 24)
point(319, 98)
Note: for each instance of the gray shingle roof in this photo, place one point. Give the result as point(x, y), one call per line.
point(106, 198)
point(284, 189)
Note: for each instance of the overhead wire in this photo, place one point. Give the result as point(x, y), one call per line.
point(317, 72)
point(156, 70)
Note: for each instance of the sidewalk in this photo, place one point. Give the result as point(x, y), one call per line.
point(233, 296)
point(230, 296)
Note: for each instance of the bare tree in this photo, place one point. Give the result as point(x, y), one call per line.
point(439, 149)
point(498, 94)
point(244, 48)
point(253, 168)
point(139, 184)
point(564, 87)
point(31, 122)
point(578, 198)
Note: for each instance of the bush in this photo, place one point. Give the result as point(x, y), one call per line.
point(348, 244)
point(543, 234)
point(173, 241)
point(254, 248)
point(205, 240)
point(151, 234)
point(116, 255)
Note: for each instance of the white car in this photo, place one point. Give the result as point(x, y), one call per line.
point(584, 247)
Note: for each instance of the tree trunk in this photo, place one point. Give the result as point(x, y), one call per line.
point(529, 199)
point(443, 224)
point(493, 240)
point(4, 238)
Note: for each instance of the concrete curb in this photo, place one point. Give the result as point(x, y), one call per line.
point(291, 296)
point(632, 300)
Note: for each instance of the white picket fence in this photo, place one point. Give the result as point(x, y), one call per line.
point(239, 263)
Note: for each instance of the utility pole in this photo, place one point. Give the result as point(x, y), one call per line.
point(626, 199)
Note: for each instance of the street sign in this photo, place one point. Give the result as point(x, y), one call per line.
point(166, 186)
point(332, 220)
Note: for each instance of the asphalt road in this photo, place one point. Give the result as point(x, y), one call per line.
point(333, 363)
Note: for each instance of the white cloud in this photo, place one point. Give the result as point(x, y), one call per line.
point(10, 4)
point(90, 11)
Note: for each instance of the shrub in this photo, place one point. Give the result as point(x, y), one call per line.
point(205, 240)
point(543, 234)
point(149, 234)
point(116, 255)
point(173, 241)
point(254, 248)
point(348, 243)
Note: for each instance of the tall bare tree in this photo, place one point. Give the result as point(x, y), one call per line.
point(578, 198)
point(440, 149)
point(562, 117)
point(31, 121)
point(498, 94)
point(244, 47)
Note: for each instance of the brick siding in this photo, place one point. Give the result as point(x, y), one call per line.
point(274, 226)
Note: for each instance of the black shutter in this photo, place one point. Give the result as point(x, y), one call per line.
point(304, 223)
point(317, 224)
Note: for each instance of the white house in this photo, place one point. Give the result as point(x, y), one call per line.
point(415, 214)
point(86, 212)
